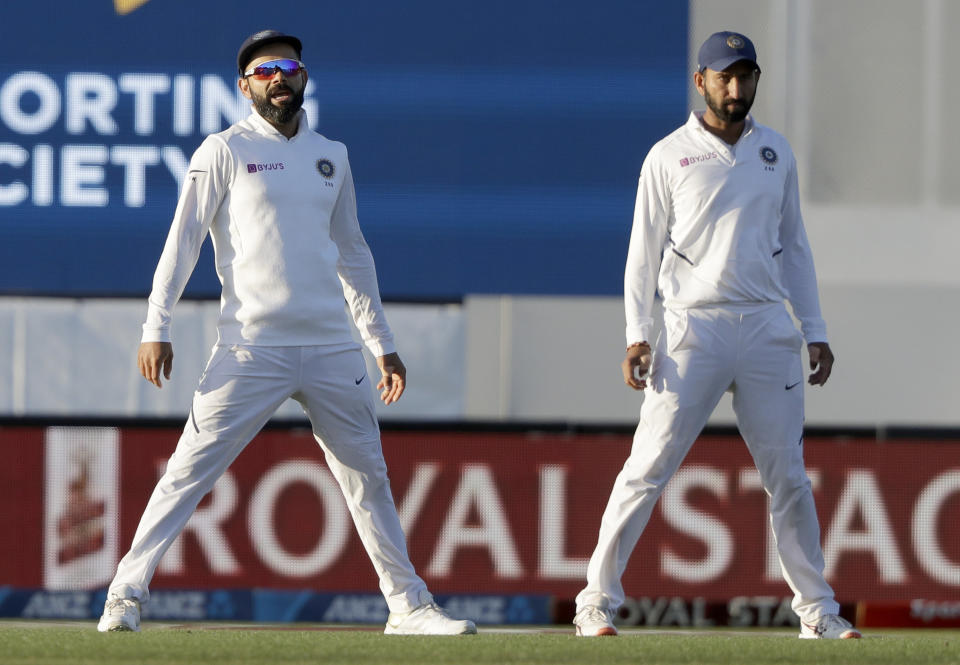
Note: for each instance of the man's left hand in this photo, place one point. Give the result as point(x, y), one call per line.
point(821, 361)
point(394, 378)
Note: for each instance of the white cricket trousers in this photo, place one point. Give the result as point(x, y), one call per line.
point(702, 353)
point(240, 389)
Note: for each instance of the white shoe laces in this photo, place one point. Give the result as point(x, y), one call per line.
point(118, 606)
point(433, 610)
point(829, 624)
point(592, 614)
point(835, 621)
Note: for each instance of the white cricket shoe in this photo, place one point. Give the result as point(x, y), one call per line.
point(593, 621)
point(427, 619)
point(120, 614)
point(829, 627)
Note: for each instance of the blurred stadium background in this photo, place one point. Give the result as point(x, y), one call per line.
point(495, 147)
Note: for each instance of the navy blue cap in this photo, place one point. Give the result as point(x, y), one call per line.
point(262, 38)
point(722, 49)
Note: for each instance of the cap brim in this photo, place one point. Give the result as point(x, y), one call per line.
point(724, 63)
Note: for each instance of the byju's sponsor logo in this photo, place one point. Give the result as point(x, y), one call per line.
point(696, 159)
point(254, 168)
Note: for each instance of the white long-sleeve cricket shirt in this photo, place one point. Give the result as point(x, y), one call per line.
point(716, 224)
point(282, 214)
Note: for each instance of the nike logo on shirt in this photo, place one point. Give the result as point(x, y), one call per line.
point(357, 381)
point(793, 386)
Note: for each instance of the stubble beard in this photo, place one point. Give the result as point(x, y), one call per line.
point(277, 115)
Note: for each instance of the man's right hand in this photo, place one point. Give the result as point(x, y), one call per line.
point(636, 364)
point(154, 357)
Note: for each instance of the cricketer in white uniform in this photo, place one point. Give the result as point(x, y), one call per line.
point(717, 232)
point(278, 200)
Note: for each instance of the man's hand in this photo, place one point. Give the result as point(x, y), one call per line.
point(394, 378)
point(153, 357)
point(638, 358)
point(821, 360)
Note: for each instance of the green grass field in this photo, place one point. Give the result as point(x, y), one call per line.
point(80, 644)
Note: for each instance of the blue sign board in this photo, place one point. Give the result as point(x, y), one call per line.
point(495, 145)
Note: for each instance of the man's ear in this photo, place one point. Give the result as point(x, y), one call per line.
point(699, 83)
point(244, 86)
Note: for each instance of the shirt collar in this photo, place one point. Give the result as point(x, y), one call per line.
point(264, 127)
point(694, 122)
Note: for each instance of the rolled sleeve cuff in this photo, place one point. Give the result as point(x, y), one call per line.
point(380, 347)
point(814, 332)
point(155, 335)
point(639, 333)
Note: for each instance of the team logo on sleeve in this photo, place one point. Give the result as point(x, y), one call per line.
point(768, 155)
point(326, 168)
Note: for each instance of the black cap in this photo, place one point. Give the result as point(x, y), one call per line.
point(262, 38)
point(722, 49)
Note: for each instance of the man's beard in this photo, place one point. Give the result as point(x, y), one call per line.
point(278, 115)
point(729, 113)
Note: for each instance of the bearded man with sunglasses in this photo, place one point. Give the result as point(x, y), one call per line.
point(278, 200)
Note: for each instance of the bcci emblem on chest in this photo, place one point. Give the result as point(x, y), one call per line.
point(326, 168)
point(768, 155)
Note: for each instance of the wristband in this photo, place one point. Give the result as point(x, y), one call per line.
point(630, 346)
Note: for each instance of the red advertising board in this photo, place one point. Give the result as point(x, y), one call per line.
point(484, 512)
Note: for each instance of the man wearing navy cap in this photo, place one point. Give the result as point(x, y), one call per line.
point(278, 200)
point(717, 233)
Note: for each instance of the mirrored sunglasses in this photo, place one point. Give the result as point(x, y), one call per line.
point(267, 70)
